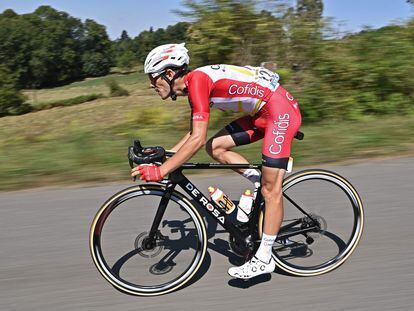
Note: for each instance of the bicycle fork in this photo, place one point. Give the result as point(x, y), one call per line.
point(150, 241)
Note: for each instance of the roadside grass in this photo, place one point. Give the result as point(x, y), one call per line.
point(68, 102)
point(134, 82)
point(88, 142)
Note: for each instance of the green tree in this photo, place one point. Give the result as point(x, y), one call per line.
point(123, 52)
point(304, 28)
point(41, 48)
point(126, 60)
point(148, 39)
point(8, 13)
point(15, 45)
point(124, 36)
point(231, 31)
point(176, 33)
point(96, 58)
point(143, 43)
point(11, 99)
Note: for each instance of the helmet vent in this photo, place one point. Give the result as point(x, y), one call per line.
point(165, 56)
point(155, 64)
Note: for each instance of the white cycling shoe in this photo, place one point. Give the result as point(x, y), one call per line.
point(252, 268)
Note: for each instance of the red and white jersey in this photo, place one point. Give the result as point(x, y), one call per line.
point(227, 87)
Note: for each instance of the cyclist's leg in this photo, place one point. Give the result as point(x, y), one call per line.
point(237, 133)
point(272, 179)
point(282, 125)
point(283, 120)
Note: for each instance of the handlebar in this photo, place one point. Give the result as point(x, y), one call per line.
point(139, 155)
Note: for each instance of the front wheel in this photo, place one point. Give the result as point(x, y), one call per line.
point(133, 261)
point(323, 223)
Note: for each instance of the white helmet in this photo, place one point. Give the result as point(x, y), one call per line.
point(164, 56)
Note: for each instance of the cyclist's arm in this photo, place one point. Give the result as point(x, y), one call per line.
point(198, 90)
point(195, 141)
point(181, 142)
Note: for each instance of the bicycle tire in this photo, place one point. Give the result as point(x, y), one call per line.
point(114, 203)
point(354, 238)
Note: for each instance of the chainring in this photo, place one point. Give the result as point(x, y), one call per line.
point(238, 248)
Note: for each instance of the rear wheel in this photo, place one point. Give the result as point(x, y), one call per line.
point(326, 231)
point(133, 261)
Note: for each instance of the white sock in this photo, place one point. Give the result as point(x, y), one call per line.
point(264, 253)
point(252, 175)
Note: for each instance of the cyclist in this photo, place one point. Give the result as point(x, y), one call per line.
point(271, 113)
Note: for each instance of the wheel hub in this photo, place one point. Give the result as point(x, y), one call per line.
point(146, 247)
point(321, 225)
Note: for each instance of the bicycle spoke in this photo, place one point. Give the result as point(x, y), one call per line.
point(319, 238)
point(142, 263)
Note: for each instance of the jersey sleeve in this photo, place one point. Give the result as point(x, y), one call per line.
point(199, 88)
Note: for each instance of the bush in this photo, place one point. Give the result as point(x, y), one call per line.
point(115, 89)
point(68, 102)
point(95, 64)
point(126, 60)
point(11, 99)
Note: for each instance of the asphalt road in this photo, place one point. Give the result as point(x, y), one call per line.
point(45, 262)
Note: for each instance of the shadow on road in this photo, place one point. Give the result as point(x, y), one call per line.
point(218, 245)
point(245, 284)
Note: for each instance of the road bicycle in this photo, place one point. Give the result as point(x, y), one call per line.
point(151, 239)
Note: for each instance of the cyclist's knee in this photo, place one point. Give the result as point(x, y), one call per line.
point(271, 190)
point(214, 150)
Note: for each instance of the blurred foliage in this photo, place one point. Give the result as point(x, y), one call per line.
point(87, 143)
point(115, 89)
point(231, 32)
point(363, 80)
point(97, 57)
point(67, 102)
point(367, 73)
point(49, 47)
point(11, 99)
point(148, 39)
point(333, 76)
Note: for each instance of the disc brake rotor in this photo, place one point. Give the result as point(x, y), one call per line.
point(142, 250)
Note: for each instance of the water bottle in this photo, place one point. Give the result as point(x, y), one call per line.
point(245, 206)
point(221, 199)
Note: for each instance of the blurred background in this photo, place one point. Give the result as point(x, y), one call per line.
point(73, 94)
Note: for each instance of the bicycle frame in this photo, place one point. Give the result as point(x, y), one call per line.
point(177, 178)
point(248, 236)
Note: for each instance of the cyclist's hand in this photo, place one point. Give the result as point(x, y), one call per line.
point(148, 172)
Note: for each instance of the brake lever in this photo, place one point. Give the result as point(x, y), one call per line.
point(131, 156)
point(131, 163)
point(137, 146)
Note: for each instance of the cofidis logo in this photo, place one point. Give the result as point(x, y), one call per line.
point(247, 90)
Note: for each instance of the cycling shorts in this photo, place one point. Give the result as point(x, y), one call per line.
point(277, 122)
